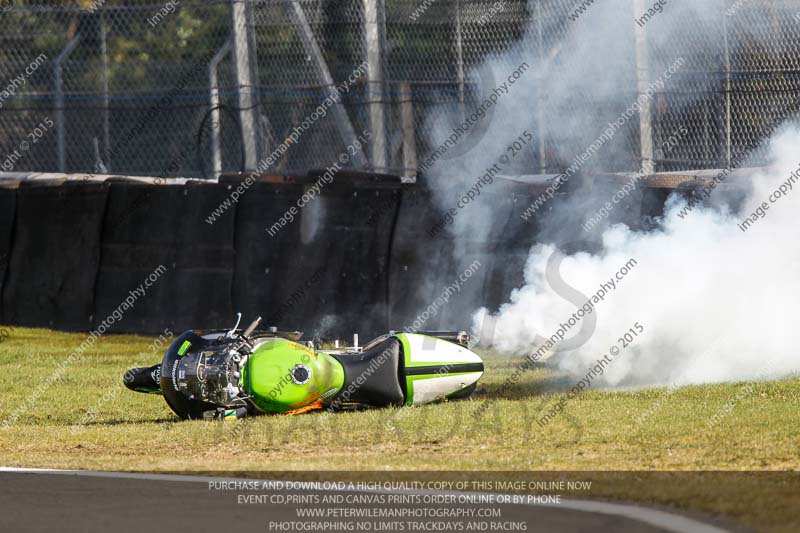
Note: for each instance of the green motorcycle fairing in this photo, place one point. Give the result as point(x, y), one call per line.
point(282, 375)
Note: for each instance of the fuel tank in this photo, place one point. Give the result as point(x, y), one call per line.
point(282, 375)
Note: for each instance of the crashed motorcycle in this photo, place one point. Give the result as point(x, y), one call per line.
point(225, 374)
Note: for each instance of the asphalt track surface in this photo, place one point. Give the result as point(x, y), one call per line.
point(74, 501)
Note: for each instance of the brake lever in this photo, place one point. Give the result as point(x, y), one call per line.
point(232, 332)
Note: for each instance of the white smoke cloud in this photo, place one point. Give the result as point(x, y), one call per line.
point(716, 303)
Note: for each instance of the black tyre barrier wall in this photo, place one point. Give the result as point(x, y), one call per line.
point(420, 264)
point(159, 236)
point(481, 255)
point(55, 255)
point(324, 272)
point(359, 258)
point(268, 269)
point(8, 208)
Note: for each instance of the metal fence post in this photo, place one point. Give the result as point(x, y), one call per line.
point(59, 88)
point(214, 101)
point(540, 94)
point(460, 57)
point(106, 117)
point(642, 82)
point(727, 91)
point(245, 80)
point(373, 18)
point(407, 124)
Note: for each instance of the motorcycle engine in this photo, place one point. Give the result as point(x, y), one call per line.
point(210, 375)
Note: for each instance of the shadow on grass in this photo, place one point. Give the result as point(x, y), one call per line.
point(122, 422)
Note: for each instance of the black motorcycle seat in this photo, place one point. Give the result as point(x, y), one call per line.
point(371, 377)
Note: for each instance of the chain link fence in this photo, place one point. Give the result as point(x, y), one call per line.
point(128, 85)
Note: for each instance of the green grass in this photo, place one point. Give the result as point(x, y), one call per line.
point(88, 420)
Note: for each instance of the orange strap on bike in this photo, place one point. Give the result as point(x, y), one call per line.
point(313, 406)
